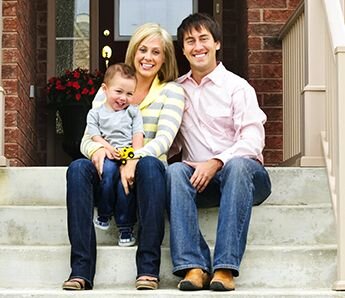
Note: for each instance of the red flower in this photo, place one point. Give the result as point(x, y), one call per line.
point(78, 85)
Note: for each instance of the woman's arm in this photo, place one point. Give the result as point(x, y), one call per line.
point(170, 117)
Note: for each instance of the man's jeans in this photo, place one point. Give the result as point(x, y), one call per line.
point(239, 185)
point(82, 188)
point(112, 197)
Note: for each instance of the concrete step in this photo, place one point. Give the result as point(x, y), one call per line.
point(262, 267)
point(171, 293)
point(270, 225)
point(46, 186)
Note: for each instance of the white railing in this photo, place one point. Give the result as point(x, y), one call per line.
point(293, 83)
point(333, 137)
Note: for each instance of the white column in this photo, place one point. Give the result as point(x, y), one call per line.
point(314, 91)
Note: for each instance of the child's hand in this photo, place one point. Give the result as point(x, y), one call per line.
point(116, 153)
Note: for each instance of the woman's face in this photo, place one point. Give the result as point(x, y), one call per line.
point(149, 57)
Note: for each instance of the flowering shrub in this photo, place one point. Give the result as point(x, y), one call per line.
point(77, 86)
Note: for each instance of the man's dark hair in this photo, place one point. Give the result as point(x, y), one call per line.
point(198, 21)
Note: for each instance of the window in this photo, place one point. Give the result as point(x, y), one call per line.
point(72, 44)
point(129, 14)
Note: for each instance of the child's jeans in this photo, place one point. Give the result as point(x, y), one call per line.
point(112, 197)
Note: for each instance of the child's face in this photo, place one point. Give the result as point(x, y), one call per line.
point(119, 92)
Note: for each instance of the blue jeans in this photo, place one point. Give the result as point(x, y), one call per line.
point(82, 195)
point(112, 197)
point(239, 185)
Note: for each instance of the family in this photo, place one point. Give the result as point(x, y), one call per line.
point(209, 116)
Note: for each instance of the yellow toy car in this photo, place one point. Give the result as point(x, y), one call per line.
point(125, 153)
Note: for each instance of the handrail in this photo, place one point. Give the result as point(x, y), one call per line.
point(333, 138)
point(335, 21)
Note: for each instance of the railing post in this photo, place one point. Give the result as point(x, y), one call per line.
point(314, 91)
point(340, 62)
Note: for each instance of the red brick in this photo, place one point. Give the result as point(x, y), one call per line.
point(274, 142)
point(267, 3)
point(254, 15)
point(9, 40)
point(255, 71)
point(263, 29)
point(273, 114)
point(266, 85)
point(265, 57)
point(272, 43)
point(11, 119)
point(10, 24)
point(273, 99)
point(273, 157)
point(9, 8)
point(272, 71)
point(10, 87)
point(9, 71)
point(255, 43)
point(10, 55)
point(292, 4)
point(276, 15)
point(274, 128)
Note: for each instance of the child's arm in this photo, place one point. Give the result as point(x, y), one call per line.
point(138, 140)
point(106, 145)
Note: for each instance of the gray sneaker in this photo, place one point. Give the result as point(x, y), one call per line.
point(126, 237)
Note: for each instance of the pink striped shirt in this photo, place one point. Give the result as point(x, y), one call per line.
point(222, 118)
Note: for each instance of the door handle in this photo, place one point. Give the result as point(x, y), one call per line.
point(106, 54)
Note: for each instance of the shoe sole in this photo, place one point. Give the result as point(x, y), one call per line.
point(127, 244)
point(219, 286)
point(189, 286)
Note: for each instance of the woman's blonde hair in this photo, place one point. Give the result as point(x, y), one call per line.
point(168, 71)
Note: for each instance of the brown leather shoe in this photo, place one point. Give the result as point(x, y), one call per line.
point(222, 281)
point(195, 279)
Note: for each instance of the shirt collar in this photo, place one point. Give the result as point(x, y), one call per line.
point(216, 76)
point(155, 88)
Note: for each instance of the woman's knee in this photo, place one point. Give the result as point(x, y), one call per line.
point(150, 165)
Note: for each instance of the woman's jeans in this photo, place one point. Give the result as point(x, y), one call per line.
point(82, 188)
point(112, 197)
point(239, 185)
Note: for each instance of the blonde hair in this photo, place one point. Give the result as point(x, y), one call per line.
point(168, 71)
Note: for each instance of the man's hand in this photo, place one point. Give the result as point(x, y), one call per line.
point(204, 172)
point(127, 173)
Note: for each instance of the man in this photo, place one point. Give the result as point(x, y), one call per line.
point(222, 138)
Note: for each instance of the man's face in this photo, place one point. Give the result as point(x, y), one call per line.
point(200, 49)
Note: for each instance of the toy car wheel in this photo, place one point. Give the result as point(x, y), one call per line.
point(123, 161)
point(131, 154)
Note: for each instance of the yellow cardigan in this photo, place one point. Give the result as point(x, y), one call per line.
point(162, 111)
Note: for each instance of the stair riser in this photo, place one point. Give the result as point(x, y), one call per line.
point(269, 226)
point(47, 267)
point(47, 186)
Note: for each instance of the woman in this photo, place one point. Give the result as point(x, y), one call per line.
point(161, 102)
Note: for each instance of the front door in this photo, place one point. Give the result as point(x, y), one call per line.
point(114, 51)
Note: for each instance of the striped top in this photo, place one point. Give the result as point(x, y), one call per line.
point(162, 110)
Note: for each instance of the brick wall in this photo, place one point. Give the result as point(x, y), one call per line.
point(265, 19)
point(21, 69)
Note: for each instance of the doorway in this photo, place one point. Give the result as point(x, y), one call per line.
point(117, 49)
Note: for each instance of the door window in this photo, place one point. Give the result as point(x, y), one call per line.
point(72, 44)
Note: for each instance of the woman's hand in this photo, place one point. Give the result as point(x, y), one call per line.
point(98, 157)
point(127, 173)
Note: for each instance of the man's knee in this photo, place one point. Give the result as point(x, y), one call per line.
point(177, 169)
